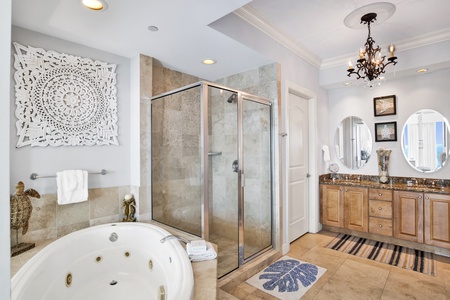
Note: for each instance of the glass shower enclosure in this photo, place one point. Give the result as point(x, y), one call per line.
point(211, 153)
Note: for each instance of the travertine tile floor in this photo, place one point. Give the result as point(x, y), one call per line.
point(349, 277)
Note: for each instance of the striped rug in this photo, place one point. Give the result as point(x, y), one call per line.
point(399, 256)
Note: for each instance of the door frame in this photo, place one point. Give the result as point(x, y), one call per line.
point(313, 182)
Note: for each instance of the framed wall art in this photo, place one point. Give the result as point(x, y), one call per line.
point(384, 106)
point(64, 100)
point(386, 132)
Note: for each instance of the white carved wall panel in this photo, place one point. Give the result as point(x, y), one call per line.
point(64, 100)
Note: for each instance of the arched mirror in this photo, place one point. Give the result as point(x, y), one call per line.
point(425, 140)
point(353, 143)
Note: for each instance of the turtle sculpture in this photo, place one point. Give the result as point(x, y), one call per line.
point(21, 207)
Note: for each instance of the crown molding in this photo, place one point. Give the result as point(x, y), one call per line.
point(253, 17)
point(402, 45)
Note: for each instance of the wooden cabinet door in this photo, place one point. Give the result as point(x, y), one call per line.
point(408, 216)
point(437, 220)
point(356, 208)
point(332, 205)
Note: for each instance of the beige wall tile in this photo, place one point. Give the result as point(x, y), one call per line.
point(44, 212)
point(66, 229)
point(103, 202)
point(72, 213)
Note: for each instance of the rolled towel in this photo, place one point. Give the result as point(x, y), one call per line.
point(196, 246)
point(209, 254)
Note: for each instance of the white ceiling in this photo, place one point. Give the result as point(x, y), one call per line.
point(184, 37)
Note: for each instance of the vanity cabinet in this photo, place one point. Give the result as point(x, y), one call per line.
point(408, 216)
point(420, 217)
point(332, 205)
point(437, 220)
point(344, 206)
point(380, 211)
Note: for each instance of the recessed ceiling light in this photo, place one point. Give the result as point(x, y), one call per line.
point(347, 84)
point(209, 61)
point(95, 4)
point(153, 28)
point(422, 70)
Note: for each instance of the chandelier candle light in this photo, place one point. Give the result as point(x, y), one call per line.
point(371, 64)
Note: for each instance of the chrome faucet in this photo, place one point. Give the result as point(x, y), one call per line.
point(172, 236)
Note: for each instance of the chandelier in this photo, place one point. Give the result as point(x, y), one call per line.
point(371, 64)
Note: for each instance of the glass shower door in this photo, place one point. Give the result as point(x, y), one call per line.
point(223, 177)
point(176, 160)
point(256, 177)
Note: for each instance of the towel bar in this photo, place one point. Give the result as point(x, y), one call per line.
point(35, 176)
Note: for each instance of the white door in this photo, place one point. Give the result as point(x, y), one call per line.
point(298, 167)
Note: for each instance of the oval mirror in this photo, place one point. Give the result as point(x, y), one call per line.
point(353, 143)
point(425, 140)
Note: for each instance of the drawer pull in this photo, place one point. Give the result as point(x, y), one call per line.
point(379, 208)
point(381, 226)
point(380, 194)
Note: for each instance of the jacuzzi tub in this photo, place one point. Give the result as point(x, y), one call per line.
point(111, 261)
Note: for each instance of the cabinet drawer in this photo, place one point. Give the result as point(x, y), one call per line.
point(380, 194)
point(380, 209)
point(380, 226)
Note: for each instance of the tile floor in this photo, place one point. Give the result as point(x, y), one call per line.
point(349, 277)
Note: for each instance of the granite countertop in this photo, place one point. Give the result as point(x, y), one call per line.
point(397, 184)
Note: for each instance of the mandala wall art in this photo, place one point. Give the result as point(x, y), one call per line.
point(64, 100)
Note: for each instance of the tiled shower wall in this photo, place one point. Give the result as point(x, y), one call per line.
point(156, 80)
point(262, 82)
point(177, 187)
point(176, 165)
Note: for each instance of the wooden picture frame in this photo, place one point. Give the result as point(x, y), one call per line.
point(384, 106)
point(386, 132)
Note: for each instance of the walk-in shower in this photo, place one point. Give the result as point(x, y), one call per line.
point(211, 149)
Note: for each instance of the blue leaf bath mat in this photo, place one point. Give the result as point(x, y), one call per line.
point(287, 278)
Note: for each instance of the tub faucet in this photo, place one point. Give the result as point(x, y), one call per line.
point(172, 236)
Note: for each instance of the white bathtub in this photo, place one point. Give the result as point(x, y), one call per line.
point(86, 265)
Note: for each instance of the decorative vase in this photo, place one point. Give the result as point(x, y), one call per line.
point(383, 164)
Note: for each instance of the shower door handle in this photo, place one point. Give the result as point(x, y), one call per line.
point(235, 166)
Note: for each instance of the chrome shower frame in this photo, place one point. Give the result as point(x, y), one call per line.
point(205, 152)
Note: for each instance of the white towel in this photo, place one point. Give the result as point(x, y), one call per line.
point(209, 254)
point(196, 247)
point(326, 153)
point(72, 186)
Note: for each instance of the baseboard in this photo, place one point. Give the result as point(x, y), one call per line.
point(285, 248)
